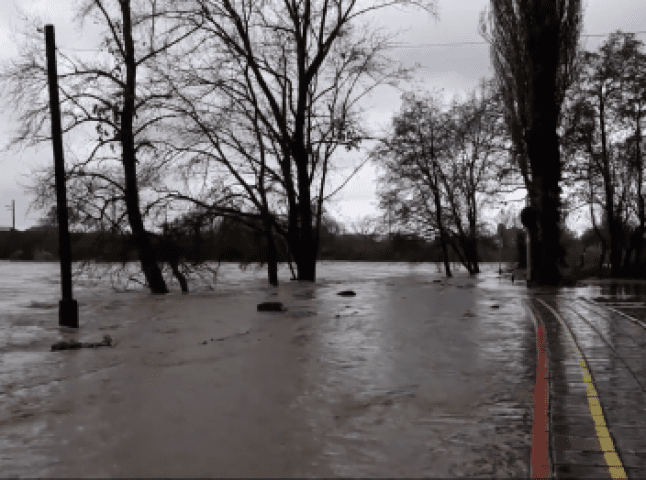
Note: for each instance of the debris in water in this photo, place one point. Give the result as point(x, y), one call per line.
point(271, 307)
point(73, 344)
point(347, 293)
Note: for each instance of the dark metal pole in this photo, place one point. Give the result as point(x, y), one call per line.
point(13, 216)
point(68, 315)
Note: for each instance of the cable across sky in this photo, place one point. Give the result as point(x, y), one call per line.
point(458, 44)
point(405, 45)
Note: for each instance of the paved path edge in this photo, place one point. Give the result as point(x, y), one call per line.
point(540, 464)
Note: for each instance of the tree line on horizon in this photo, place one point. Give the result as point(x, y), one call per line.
point(229, 241)
point(226, 240)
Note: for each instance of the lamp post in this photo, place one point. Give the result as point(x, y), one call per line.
point(67, 307)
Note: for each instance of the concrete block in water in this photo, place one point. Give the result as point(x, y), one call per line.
point(271, 307)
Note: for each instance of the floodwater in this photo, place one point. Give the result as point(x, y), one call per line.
point(415, 376)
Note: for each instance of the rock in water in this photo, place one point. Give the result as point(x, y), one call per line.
point(347, 293)
point(271, 307)
point(73, 344)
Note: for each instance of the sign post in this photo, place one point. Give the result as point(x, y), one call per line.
point(68, 314)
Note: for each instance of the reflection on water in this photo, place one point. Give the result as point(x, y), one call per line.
point(623, 290)
point(403, 371)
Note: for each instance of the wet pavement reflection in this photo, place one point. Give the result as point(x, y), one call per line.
point(613, 349)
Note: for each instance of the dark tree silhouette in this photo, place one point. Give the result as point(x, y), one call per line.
point(603, 137)
point(443, 165)
point(113, 92)
point(533, 49)
point(290, 75)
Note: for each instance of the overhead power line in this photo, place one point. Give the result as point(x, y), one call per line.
point(401, 45)
point(458, 44)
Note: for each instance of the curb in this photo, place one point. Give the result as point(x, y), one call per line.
point(540, 466)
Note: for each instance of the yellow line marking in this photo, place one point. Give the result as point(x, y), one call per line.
point(607, 445)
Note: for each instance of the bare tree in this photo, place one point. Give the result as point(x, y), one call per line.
point(603, 137)
point(475, 167)
point(443, 167)
point(113, 93)
point(533, 49)
point(412, 186)
point(287, 77)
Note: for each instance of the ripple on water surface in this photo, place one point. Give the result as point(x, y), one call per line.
point(390, 386)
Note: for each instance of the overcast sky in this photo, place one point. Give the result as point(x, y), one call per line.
point(454, 68)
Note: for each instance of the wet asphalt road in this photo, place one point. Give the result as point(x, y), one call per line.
point(614, 349)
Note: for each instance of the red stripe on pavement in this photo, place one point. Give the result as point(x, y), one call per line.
point(540, 429)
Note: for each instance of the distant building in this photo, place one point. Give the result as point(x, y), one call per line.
point(6, 229)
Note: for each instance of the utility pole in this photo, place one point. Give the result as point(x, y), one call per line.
point(68, 311)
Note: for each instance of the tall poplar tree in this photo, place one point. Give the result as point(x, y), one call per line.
point(534, 46)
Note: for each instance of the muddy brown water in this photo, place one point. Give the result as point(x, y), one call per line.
point(409, 378)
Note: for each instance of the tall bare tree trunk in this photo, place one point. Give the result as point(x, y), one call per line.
point(440, 224)
point(445, 254)
point(306, 260)
point(147, 259)
point(473, 240)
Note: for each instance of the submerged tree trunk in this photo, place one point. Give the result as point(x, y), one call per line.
point(306, 268)
point(147, 258)
point(473, 243)
point(272, 256)
point(474, 255)
point(445, 255)
point(306, 263)
point(174, 266)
